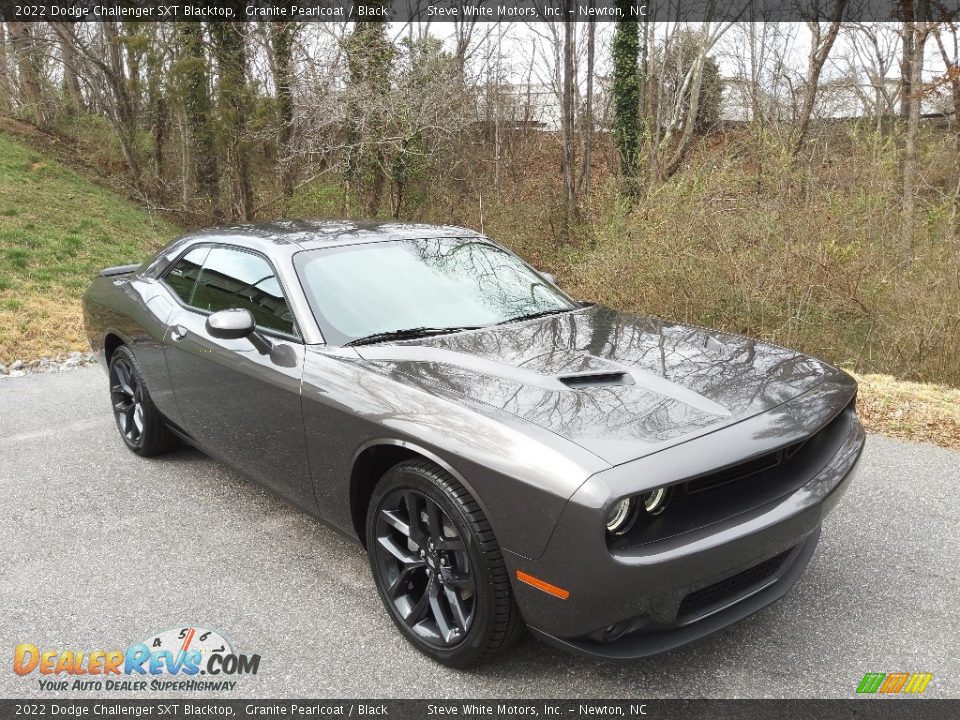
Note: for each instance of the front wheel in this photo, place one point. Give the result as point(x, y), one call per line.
point(438, 567)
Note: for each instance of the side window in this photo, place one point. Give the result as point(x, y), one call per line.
point(182, 277)
point(236, 279)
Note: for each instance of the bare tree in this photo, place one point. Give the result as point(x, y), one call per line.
point(7, 72)
point(22, 41)
point(71, 75)
point(950, 54)
point(908, 40)
point(821, 42)
point(567, 126)
point(282, 38)
point(99, 51)
point(918, 33)
point(677, 69)
point(586, 122)
point(872, 53)
point(229, 42)
point(192, 72)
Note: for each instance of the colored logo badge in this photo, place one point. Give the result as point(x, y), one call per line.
point(894, 683)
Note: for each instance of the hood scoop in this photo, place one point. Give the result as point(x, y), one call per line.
point(584, 381)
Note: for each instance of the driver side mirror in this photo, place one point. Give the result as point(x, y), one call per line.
point(231, 324)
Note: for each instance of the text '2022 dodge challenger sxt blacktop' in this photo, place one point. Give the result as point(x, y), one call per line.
point(509, 457)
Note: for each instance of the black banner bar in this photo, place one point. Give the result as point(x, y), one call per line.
point(893, 708)
point(465, 10)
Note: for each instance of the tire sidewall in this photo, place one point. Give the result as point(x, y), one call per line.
point(417, 479)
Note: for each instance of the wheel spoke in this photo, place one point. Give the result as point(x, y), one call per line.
point(456, 605)
point(419, 609)
point(138, 417)
point(443, 623)
point(414, 503)
point(404, 556)
point(403, 577)
point(123, 406)
point(434, 524)
point(395, 521)
point(123, 378)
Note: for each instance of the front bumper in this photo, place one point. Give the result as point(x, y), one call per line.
point(660, 595)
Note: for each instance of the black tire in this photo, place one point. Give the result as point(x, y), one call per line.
point(143, 429)
point(483, 618)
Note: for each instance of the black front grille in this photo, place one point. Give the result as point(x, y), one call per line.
point(703, 500)
point(729, 589)
point(742, 471)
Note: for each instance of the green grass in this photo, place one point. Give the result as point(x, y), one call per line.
point(57, 229)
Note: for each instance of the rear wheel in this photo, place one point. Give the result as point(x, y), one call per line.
point(141, 425)
point(438, 567)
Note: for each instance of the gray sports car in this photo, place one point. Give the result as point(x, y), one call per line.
point(508, 456)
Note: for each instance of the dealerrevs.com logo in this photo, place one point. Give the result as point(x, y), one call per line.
point(181, 658)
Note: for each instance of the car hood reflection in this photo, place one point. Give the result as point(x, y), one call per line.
point(619, 385)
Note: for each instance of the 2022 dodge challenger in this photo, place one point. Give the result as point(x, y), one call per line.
point(619, 484)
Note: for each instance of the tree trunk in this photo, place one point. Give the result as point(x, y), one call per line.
point(819, 52)
point(193, 80)
point(157, 106)
point(627, 100)
point(906, 59)
point(6, 72)
point(952, 66)
point(124, 105)
point(71, 77)
point(28, 76)
point(370, 57)
point(234, 104)
point(281, 41)
point(918, 33)
point(568, 156)
point(587, 120)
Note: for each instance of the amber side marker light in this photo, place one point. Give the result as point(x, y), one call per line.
point(541, 585)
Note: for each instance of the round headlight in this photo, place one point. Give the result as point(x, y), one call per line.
point(621, 517)
point(655, 501)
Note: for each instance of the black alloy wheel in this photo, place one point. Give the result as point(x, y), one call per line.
point(438, 567)
point(127, 399)
point(423, 562)
point(142, 427)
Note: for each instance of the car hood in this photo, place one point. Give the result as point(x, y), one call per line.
point(619, 385)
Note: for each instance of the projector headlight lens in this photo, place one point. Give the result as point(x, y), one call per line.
point(655, 501)
point(622, 516)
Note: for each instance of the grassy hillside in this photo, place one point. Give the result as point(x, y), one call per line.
point(57, 229)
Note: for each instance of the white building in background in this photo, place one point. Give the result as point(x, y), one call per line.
point(534, 106)
point(836, 99)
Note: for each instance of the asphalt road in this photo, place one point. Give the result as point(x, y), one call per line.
point(100, 549)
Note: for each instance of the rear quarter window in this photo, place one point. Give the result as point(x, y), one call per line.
point(182, 277)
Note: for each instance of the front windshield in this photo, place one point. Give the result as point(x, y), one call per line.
point(360, 290)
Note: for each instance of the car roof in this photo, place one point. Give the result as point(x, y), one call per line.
point(311, 234)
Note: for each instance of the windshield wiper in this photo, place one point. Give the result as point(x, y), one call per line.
point(532, 316)
point(408, 334)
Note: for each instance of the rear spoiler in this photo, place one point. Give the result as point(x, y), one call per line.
point(118, 270)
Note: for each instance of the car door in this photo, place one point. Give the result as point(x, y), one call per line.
point(239, 402)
